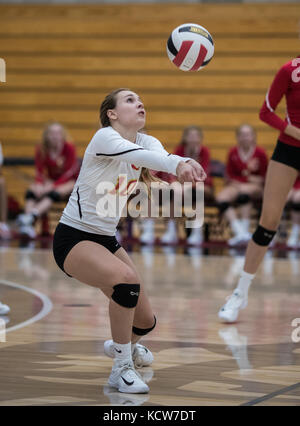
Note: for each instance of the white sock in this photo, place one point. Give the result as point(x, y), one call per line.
point(122, 352)
point(237, 227)
point(245, 282)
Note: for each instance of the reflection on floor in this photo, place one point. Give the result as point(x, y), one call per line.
point(59, 359)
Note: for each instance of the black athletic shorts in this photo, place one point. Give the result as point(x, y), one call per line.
point(66, 237)
point(287, 154)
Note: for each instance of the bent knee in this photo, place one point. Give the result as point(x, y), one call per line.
point(128, 276)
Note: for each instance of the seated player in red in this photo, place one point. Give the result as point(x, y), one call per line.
point(294, 198)
point(5, 233)
point(57, 169)
point(191, 145)
point(245, 174)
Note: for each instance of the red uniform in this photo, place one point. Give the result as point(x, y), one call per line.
point(297, 183)
point(203, 159)
point(286, 82)
point(240, 169)
point(60, 169)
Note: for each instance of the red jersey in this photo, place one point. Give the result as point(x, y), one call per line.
point(60, 169)
point(203, 159)
point(286, 82)
point(297, 182)
point(239, 169)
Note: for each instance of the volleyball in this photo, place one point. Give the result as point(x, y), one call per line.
point(190, 47)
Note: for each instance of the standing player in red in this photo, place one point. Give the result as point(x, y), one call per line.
point(245, 174)
point(281, 175)
point(57, 169)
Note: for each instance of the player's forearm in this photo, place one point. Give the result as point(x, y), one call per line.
point(292, 131)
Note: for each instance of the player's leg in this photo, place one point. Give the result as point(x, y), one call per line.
point(280, 179)
point(224, 199)
point(199, 195)
point(293, 240)
point(248, 193)
point(4, 229)
point(26, 220)
point(144, 321)
point(95, 265)
point(171, 202)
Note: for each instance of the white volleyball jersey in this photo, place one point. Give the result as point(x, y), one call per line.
point(108, 158)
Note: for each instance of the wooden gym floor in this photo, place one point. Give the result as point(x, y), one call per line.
point(53, 354)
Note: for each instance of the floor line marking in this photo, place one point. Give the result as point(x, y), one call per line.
point(46, 309)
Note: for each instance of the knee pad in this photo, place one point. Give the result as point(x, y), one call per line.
point(143, 331)
point(296, 207)
point(55, 196)
point(126, 294)
point(243, 199)
point(263, 236)
point(30, 195)
point(223, 206)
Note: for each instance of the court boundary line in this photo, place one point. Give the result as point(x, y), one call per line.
point(271, 395)
point(46, 309)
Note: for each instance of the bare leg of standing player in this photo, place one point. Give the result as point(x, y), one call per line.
point(280, 179)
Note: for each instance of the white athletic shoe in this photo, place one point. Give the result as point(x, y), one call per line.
point(196, 237)
point(239, 239)
point(24, 219)
point(4, 309)
point(28, 231)
point(169, 238)
point(293, 241)
point(126, 379)
point(141, 356)
point(147, 237)
point(230, 311)
point(5, 233)
point(116, 398)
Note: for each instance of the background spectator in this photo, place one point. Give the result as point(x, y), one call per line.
point(4, 228)
point(191, 146)
point(245, 173)
point(57, 169)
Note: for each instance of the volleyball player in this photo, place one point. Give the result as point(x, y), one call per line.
point(191, 146)
point(84, 244)
point(56, 172)
point(281, 175)
point(245, 173)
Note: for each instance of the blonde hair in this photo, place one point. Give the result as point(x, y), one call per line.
point(110, 102)
point(45, 135)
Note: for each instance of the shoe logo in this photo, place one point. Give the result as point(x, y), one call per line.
point(127, 383)
point(119, 352)
point(132, 293)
